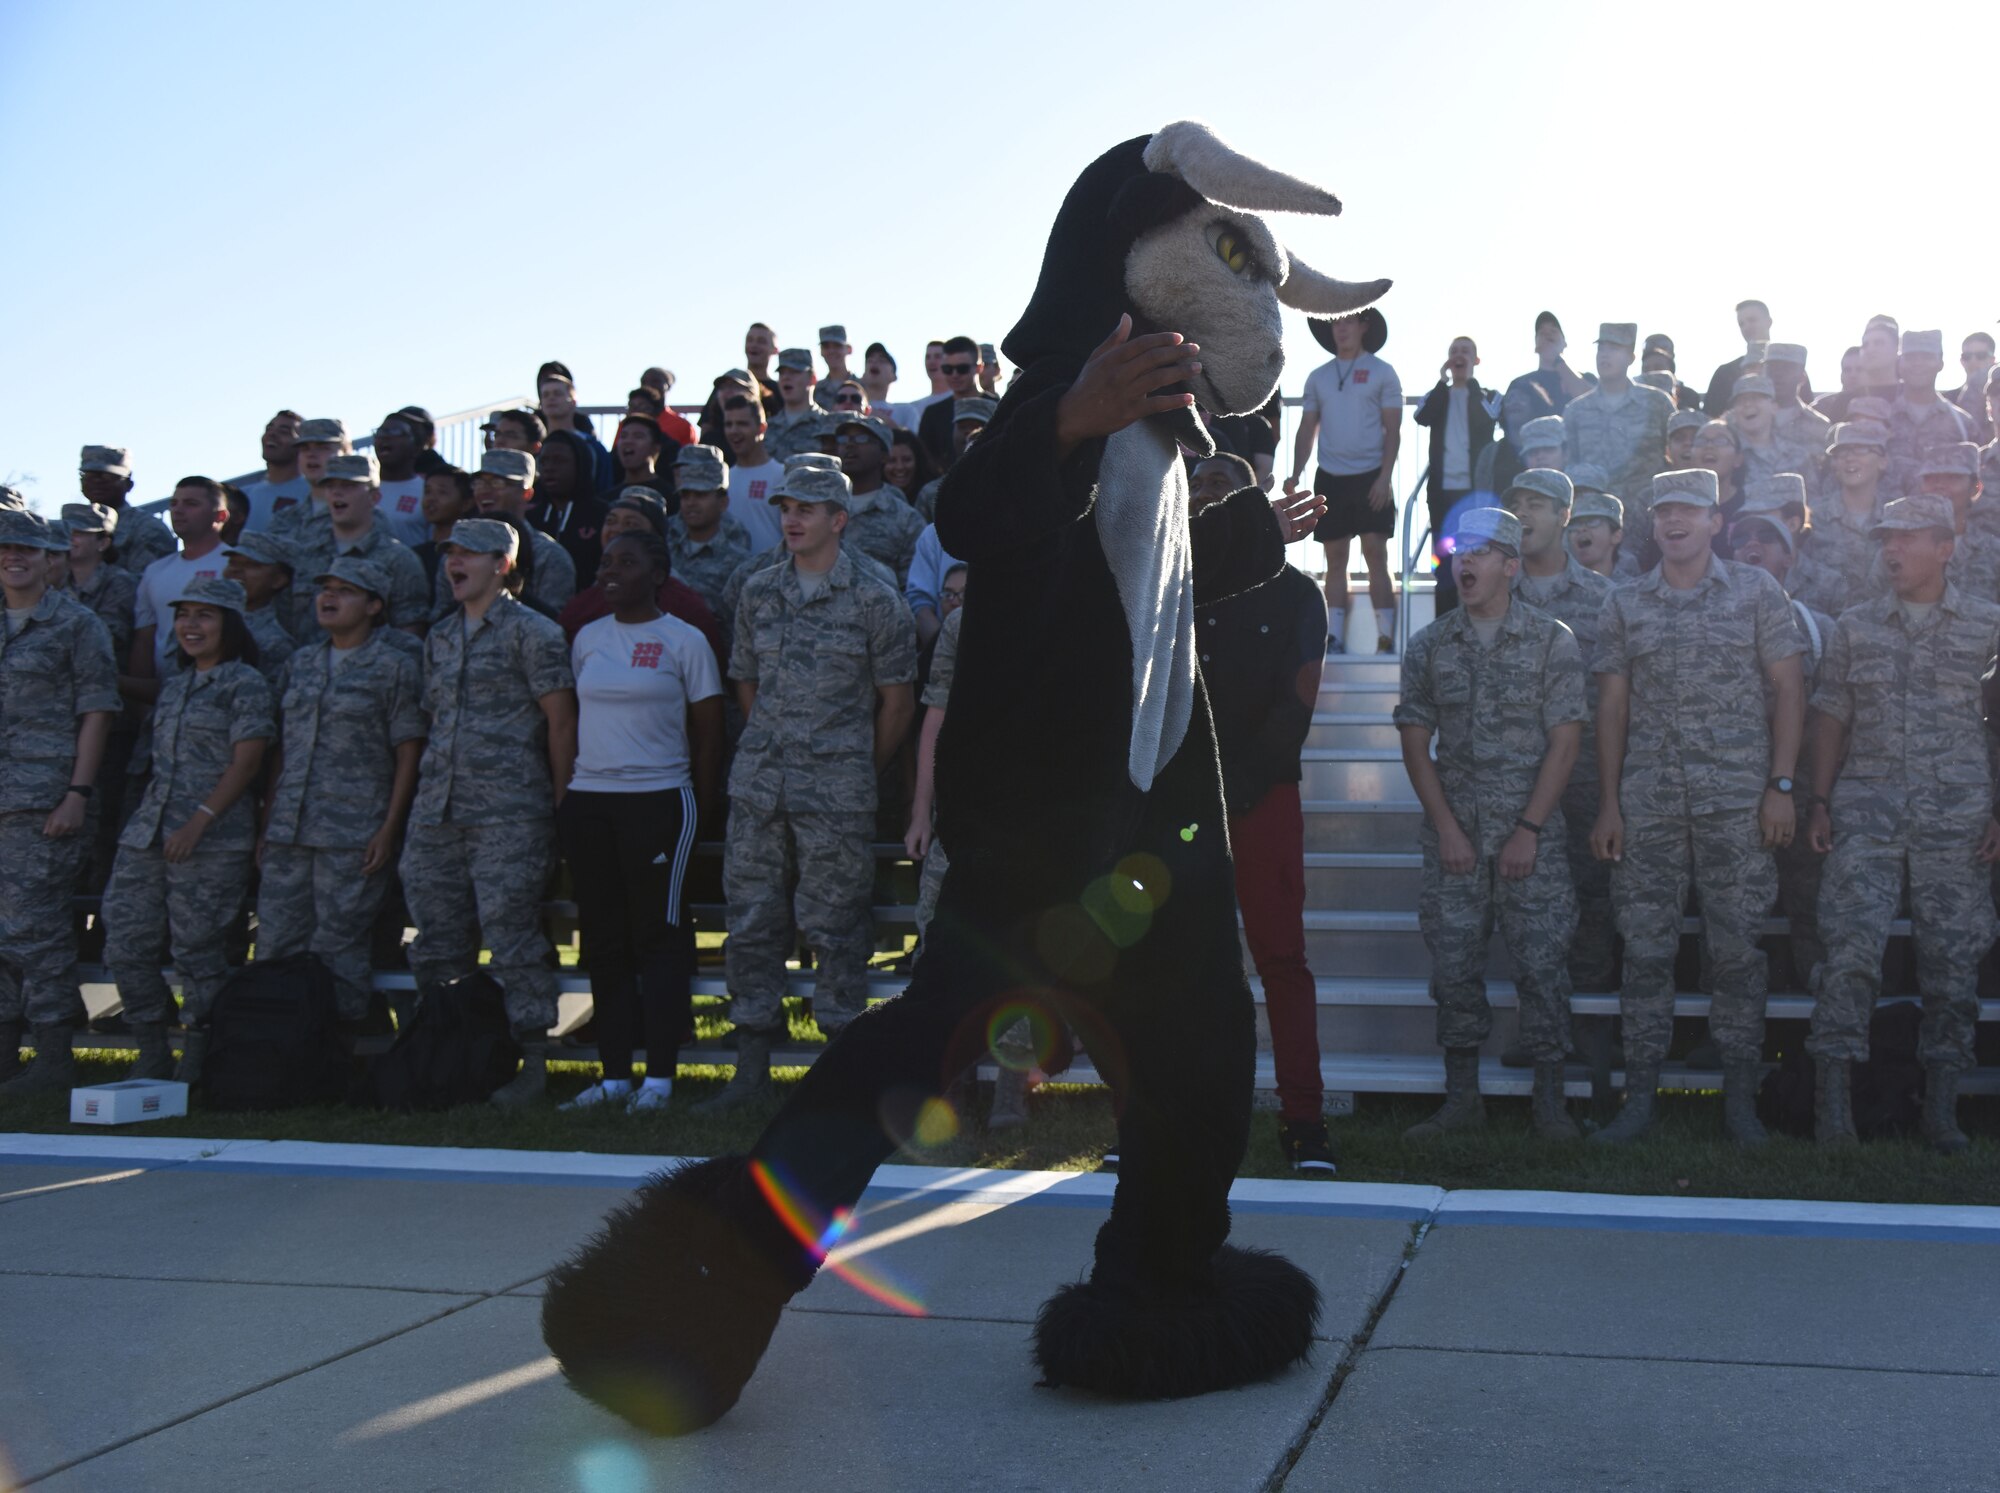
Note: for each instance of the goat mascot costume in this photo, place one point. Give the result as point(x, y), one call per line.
point(1080, 795)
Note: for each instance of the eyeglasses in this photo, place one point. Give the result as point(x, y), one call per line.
point(958, 367)
point(852, 438)
point(848, 401)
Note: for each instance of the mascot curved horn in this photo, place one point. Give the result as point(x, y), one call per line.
point(1306, 289)
point(1192, 151)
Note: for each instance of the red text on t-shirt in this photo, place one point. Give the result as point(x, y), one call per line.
point(647, 655)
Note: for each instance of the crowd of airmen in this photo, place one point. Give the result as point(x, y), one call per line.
point(313, 720)
point(1751, 656)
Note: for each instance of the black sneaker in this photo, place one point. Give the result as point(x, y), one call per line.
point(1306, 1147)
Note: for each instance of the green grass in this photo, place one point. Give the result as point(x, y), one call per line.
point(1070, 1127)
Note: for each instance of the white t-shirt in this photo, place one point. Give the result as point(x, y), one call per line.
point(162, 584)
point(401, 511)
point(1349, 399)
point(268, 499)
point(750, 490)
point(1457, 439)
point(634, 682)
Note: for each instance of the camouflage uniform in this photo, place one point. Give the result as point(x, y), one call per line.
point(1577, 600)
point(1912, 433)
point(792, 435)
point(481, 841)
point(708, 564)
point(732, 589)
point(882, 525)
point(1492, 710)
point(1912, 800)
point(109, 596)
point(1626, 438)
point(315, 547)
point(1696, 762)
point(926, 500)
point(142, 539)
point(553, 582)
point(1841, 548)
point(56, 669)
point(937, 696)
point(275, 643)
point(341, 727)
point(150, 905)
point(1989, 466)
point(1813, 585)
point(802, 788)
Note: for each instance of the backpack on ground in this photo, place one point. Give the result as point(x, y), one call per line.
point(274, 1039)
point(457, 1048)
point(1887, 1089)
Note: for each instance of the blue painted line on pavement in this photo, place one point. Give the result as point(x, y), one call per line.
point(1798, 1228)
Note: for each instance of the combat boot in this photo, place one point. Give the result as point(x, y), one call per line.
point(1739, 1101)
point(1550, 1112)
point(751, 1083)
point(1010, 1100)
point(1833, 1102)
point(1940, 1118)
point(10, 1049)
point(194, 1055)
point(156, 1054)
point(1636, 1118)
point(1463, 1108)
point(530, 1084)
point(54, 1069)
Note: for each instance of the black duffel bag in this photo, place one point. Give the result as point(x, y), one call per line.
point(274, 1039)
point(456, 1048)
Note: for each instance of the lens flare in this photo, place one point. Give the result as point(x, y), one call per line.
point(822, 1236)
point(1021, 1035)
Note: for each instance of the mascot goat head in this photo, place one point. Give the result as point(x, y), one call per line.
point(1169, 227)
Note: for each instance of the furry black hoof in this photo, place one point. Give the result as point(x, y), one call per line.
point(662, 1317)
point(1254, 1317)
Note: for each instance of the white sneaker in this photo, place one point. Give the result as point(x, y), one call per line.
point(595, 1096)
point(646, 1100)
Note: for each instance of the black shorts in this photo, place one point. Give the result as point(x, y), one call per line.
point(1347, 510)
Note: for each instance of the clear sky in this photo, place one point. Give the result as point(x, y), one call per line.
point(216, 209)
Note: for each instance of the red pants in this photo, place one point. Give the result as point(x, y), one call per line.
point(1269, 844)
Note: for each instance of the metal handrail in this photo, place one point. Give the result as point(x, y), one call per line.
point(1410, 552)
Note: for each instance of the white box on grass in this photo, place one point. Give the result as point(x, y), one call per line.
point(123, 1103)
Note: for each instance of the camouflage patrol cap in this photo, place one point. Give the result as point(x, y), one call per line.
point(356, 466)
point(262, 548)
point(1870, 407)
point(90, 518)
point(1859, 433)
point(700, 469)
point(1478, 527)
point(58, 536)
point(1659, 379)
point(733, 376)
point(484, 536)
point(973, 407)
point(1785, 352)
point(1952, 459)
point(214, 591)
point(796, 357)
point(1623, 333)
point(817, 460)
point(1752, 383)
point(1713, 432)
point(115, 460)
point(1587, 476)
point(880, 429)
point(1923, 344)
point(20, 527)
point(356, 571)
point(1594, 504)
point(1918, 511)
point(10, 497)
point(509, 466)
point(1772, 494)
point(815, 485)
point(1660, 342)
point(1543, 482)
point(1692, 485)
point(834, 333)
point(1541, 432)
point(1771, 518)
point(1681, 420)
point(321, 433)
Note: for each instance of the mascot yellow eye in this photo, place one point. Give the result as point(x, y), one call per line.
point(1231, 253)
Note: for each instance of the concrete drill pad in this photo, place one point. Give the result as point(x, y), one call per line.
point(1839, 1303)
point(87, 1362)
point(1494, 1421)
point(472, 1401)
point(310, 1230)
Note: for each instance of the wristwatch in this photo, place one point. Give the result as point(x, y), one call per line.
point(1780, 785)
point(81, 790)
point(1529, 825)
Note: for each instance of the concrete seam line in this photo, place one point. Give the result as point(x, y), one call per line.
point(1710, 1363)
point(277, 1285)
point(252, 1389)
point(1289, 1457)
